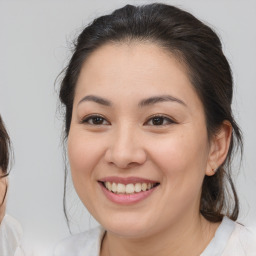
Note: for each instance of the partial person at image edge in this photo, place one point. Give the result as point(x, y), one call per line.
point(10, 229)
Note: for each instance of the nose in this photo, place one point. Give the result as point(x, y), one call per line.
point(125, 149)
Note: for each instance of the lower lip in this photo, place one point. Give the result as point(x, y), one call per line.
point(126, 199)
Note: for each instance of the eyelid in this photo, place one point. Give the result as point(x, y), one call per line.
point(85, 119)
point(170, 120)
point(165, 117)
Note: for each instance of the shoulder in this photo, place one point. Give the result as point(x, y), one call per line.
point(10, 235)
point(86, 244)
point(11, 223)
point(242, 241)
point(11, 228)
point(232, 238)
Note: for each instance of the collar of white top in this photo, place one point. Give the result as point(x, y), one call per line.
point(220, 239)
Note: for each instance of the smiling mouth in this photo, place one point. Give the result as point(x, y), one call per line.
point(119, 188)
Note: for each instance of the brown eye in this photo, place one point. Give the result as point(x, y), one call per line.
point(95, 120)
point(159, 121)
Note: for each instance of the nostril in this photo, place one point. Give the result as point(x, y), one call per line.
point(125, 158)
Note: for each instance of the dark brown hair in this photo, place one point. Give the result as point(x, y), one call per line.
point(4, 154)
point(200, 49)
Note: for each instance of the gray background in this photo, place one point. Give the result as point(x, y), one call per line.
point(35, 40)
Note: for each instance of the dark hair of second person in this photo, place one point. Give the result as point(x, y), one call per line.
point(4, 156)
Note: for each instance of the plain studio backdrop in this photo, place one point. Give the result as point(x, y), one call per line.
point(35, 42)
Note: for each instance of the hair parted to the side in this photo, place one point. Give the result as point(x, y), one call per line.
point(198, 47)
point(4, 155)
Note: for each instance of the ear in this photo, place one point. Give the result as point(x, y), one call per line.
point(219, 148)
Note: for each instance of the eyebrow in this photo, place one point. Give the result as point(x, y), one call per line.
point(161, 98)
point(96, 99)
point(143, 103)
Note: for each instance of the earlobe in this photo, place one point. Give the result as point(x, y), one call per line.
point(219, 148)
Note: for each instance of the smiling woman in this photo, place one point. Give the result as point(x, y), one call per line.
point(150, 136)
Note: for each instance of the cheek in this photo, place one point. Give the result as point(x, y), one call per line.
point(182, 162)
point(3, 187)
point(182, 158)
point(3, 184)
point(83, 152)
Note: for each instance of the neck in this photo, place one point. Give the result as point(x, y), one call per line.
point(183, 238)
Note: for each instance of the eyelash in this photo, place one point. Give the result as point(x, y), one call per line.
point(92, 118)
point(164, 120)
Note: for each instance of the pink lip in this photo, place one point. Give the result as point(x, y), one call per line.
point(128, 180)
point(127, 199)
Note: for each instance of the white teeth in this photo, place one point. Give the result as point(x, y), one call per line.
point(137, 187)
point(129, 189)
point(114, 187)
point(144, 186)
point(108, 185)
point(120, 188)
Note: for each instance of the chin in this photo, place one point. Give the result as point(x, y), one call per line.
point(134, 228)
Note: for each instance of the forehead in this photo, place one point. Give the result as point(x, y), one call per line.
point(134, 69)
point(133, 58)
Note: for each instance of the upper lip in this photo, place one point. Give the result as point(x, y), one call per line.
point(126, 180)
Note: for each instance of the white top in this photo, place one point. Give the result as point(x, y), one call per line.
point(231, 239)
point(10, 237)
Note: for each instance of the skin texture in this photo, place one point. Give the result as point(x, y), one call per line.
point(126, 143)
point(3, 184)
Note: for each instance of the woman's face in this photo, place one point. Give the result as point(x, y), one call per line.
point(138, 129)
